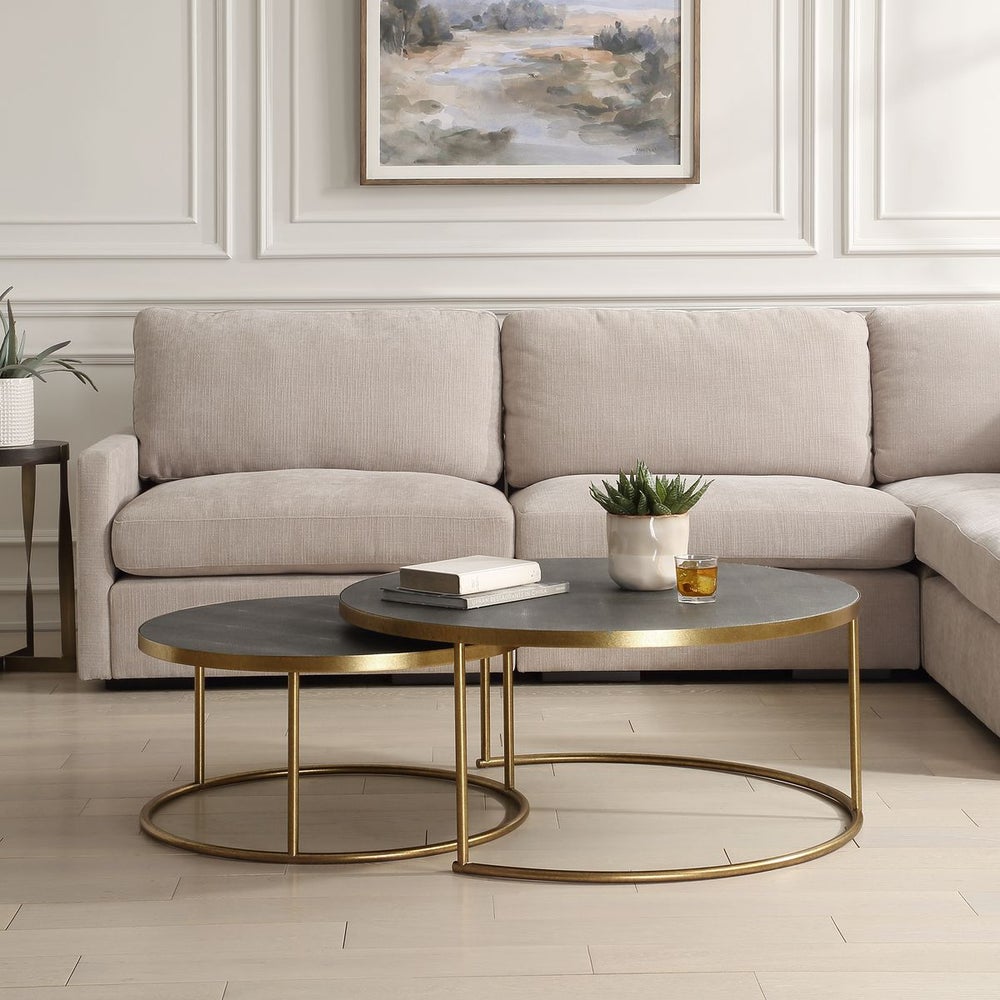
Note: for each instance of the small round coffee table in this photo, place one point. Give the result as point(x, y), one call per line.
point(754, 603)
point(295, 636)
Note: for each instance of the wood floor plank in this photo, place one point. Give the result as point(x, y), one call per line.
point(835, 959)
point(569, 929)
point(847, 985)
point(36, 970)
point(357, 964)
point(684, 986)
point(906, 928)
point(150, 991)
point(251, 940)
point(238, 910)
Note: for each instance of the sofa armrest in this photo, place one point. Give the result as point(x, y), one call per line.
point(107, 479)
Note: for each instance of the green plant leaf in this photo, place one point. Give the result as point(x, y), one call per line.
point(19, 371)
point(8, 349)
point(67, 364)
point(640, 493)
point(50, 350)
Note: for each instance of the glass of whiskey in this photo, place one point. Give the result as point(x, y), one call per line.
point(697, 578)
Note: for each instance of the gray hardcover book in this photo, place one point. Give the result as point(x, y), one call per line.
point(506, 595)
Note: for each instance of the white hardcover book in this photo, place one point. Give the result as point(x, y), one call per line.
point(469, 574)
point(468, 602)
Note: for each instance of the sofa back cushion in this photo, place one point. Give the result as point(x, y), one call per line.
point(741, 392)
point(374, 390)
point(935, 390)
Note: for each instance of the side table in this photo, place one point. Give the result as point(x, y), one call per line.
point(298, 636)
point(29, 457)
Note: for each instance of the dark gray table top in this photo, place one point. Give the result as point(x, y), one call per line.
point(282, 634)
point(755, 602)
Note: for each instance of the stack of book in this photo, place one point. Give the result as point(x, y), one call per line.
point(471, 582)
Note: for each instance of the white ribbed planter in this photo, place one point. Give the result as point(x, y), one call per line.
point(641, 550)
point(17, 412)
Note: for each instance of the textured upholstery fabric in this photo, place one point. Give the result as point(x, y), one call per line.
point(250, 391)
point(935, 390)
point(107, 479)
point(890, 629)
point(961, 649)
point(308, 521)
point(779, 520)
point(747, 392)
point(958, 532)
point(134, 600)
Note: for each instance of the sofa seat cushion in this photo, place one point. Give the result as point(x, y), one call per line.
point(958, 531)
point(308, 521)
point(788, 521)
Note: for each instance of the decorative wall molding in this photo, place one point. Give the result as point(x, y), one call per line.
point(14, 585)
point(123, 310)
point(868, 228)
point(39, 537)
point(12, 626)
point(287, 228)
point(205, 229)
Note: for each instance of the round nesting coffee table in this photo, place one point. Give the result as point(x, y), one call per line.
point(295, 636)
point(755, 602)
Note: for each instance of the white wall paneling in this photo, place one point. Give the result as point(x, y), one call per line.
point(118, 145)
point(923, 152)
point(757, 195)
point(204, 154)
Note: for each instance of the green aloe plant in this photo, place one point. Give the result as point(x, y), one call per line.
point(14, 363)
point(638, 493)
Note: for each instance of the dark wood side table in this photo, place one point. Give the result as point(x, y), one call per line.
point(29, 457)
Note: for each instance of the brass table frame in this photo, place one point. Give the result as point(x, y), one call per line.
point(516, 804)
point(29, 457)
point(849, 805)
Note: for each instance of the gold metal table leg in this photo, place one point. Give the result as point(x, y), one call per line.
point(508, 718)
point(461, 763)
point(293, 763)
point(485, 738)
point(854, 694)
point(199, 725)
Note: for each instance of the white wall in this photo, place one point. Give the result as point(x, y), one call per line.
point(204, 153)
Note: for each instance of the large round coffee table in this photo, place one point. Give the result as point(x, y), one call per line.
point(754, 603)
point(295, 636)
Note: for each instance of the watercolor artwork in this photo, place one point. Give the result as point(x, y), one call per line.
point(523, 91)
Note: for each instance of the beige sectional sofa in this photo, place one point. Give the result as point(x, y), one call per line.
point(281, 452)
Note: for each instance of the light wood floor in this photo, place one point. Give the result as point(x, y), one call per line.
point(90, 909)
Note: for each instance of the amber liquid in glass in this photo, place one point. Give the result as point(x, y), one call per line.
point(697, 581)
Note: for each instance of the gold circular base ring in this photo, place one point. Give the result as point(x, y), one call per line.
point(840, 799)
point(516, 812)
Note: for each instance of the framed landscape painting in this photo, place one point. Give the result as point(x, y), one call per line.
point(529, 91)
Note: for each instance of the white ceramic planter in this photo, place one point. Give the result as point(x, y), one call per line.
point(17, 412)
point(641, 550)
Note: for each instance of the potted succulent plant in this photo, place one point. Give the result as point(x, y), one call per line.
point(17, 386)
point(647, 524)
